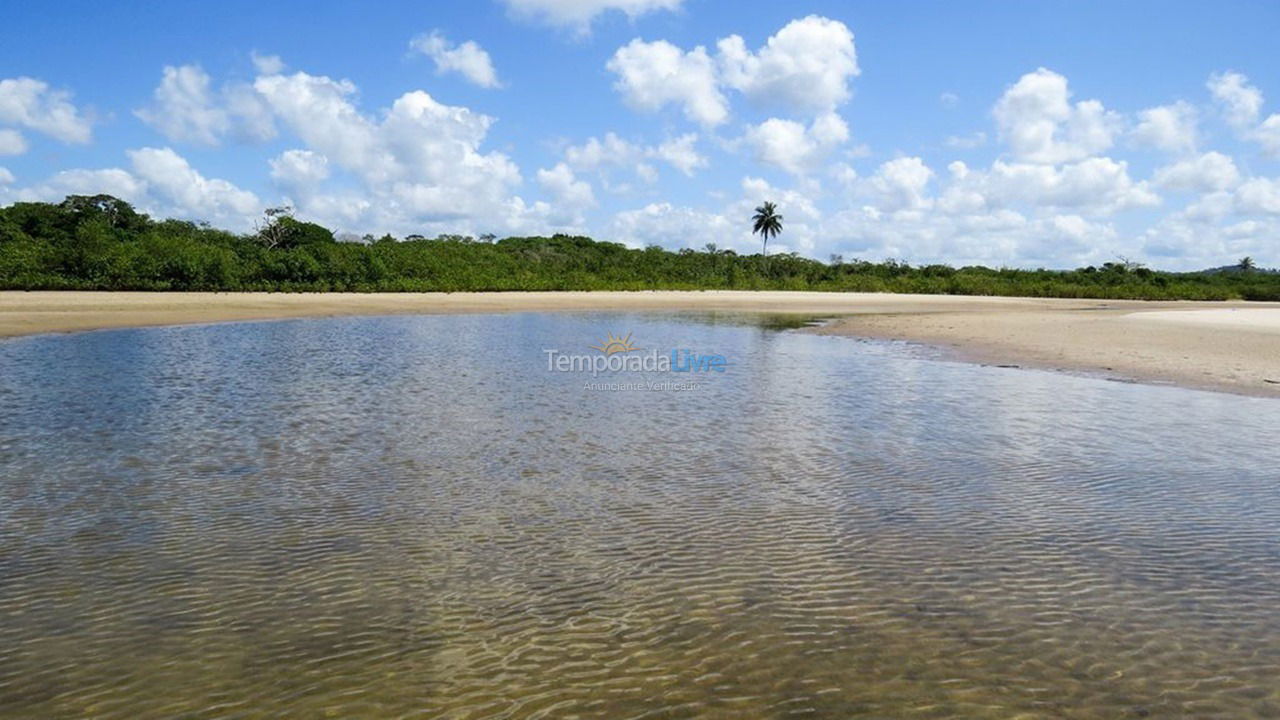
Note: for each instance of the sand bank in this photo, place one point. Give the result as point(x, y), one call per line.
point(1222, 346)
point(1232, 347)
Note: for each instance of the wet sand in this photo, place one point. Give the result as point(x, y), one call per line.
point(1234, 347)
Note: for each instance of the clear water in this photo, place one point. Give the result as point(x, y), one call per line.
point(411, 517)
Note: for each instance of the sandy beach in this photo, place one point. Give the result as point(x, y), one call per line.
point(1233, 347)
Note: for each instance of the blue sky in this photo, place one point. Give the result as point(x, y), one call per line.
point(1031, 134)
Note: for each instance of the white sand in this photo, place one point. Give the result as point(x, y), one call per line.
point(1265, 320)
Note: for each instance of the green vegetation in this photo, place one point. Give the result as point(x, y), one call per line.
point(101, 243)
point(766, 222)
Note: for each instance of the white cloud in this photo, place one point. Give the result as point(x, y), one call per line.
point(681, 154)
point(187, 109)
point(1096, 185)
point(1260, 195)
point(1039, 123)
point(30, 103)
point(267, 64)
point(171, 177)
point(12, 142)
point(1241, 105)
point(416, 166)
point(251, 119)
point(902, 184)
point(161, 183)
point(571, 194)
point(1268, 135)
point(948, 100)
point(1204, 173)
point(418, 141)
point(419, 163)
point(1240, 102)
point(791, 146)
point(1171, 128)
point(669, 225)
point(1209, 232)
point(653, 75)
point(6, 177)
point(597, 155)
point(578, 14)
point(298, 169)
point(110, 181)
point(467, 59)
point(805, 67)
point(729, 226)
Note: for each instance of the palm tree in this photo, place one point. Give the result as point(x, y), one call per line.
point(1246, 264)
point(768, 223)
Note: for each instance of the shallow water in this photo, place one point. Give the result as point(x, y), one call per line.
point(412, 517)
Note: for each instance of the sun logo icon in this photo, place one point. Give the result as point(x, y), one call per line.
point(614, 345)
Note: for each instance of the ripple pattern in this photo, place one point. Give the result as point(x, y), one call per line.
point(388, 518)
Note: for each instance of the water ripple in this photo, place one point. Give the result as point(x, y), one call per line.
point(410, 517)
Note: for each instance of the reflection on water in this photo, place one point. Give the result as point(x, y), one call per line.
point(411, 517)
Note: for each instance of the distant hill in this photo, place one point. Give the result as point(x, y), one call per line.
point(1235, 270)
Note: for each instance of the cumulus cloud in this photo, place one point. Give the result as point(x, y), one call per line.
point(1203, 173)
point(32, 104)
point(186, 108)
point(791, 146)
point(415, 166)
point(613, 152)
point(160, 182)
point(267, 64)
point(1171, 128)
point(468, 59)
point(666, 224)
point(652, 75)
point(681, 154)
point(571, 195)
point(421, 154)
point(1098, 185)
point(902, 184)
point(6, 177)
point(1038, 122)
point(171, 177)
point(12, 142)
point(805, 67)
point(579, 14)
point(1241, 106)
point(595, 154)
point(299, 169)
point(1239, 101)
point(1260, 195)
point(110, 181)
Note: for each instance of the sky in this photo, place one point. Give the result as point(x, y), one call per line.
point(1022, 134)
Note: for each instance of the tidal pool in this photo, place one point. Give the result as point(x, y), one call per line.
point(413, 517)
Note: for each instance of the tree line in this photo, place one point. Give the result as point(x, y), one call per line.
point(102, 243)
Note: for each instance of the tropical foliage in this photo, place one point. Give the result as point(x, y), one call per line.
point(101, 243)
point(766, 223)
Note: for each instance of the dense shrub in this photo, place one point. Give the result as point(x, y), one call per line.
point(101, 243)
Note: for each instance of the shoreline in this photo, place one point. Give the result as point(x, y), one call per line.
point(1223, 346)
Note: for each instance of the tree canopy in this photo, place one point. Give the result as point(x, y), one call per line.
point(102, 243)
